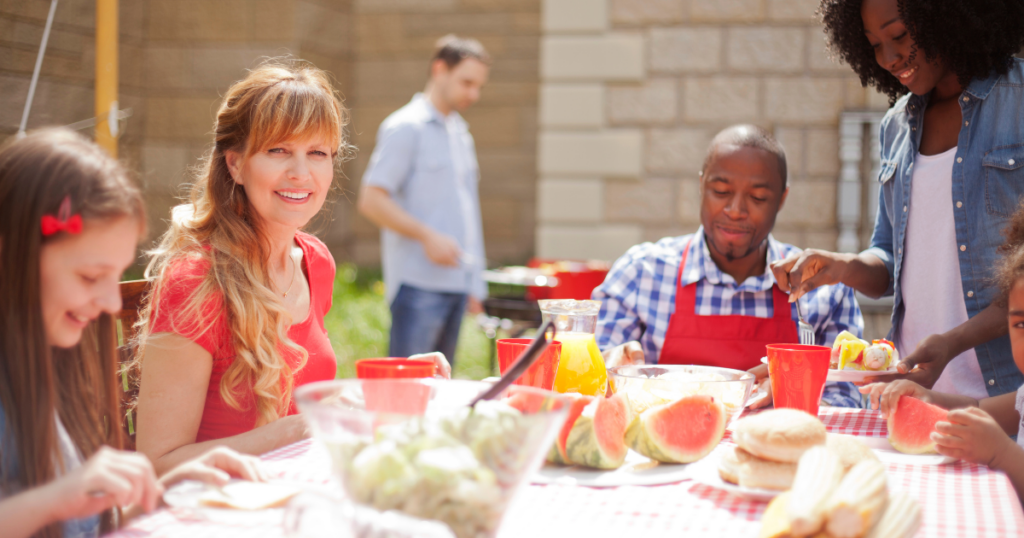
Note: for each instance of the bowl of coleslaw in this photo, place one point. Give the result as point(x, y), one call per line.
point(437, 458)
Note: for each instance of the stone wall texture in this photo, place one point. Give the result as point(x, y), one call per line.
point(178, 57)
point(682, 70)
point(590, 133)
point(631, 93)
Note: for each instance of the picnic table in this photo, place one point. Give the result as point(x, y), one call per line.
point(957, 500)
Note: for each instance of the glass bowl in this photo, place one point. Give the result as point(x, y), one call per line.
point(414, 445)
point(651, 385)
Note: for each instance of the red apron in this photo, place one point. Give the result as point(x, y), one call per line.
point(736, 342)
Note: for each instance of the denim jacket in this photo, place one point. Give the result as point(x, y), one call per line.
point(988, 180)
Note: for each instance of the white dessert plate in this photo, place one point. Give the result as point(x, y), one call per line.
point(186, 498)
point(705, 472)
point(639, 470)
point(888, 454)
point(857, 376)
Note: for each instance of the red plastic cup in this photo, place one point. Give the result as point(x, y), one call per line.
point(798, 375)
point(389, 397)
point(394, 368)
point(542, 373)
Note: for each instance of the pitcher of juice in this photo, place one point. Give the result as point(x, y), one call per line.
point(581, 367)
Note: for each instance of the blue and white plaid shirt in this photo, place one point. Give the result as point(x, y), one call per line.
point(638, 298)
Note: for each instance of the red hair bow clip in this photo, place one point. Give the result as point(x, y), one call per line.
point(63, 222)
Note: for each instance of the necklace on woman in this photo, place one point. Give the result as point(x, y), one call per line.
point(295, 269)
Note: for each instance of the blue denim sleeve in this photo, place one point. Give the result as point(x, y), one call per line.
point(842, 395)
point(881, 238)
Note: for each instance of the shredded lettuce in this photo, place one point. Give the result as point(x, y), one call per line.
point(458, 467)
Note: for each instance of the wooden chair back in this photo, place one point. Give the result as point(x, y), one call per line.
point(132, 294)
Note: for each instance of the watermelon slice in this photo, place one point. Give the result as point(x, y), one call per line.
point(682, 431)
point(911, 425)
point(596, 440)
point(557, 452)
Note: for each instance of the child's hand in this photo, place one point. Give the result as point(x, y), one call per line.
point(444, 369)
point(217, 467)
point(972, 435)
point(885, 396)
point(108, 478)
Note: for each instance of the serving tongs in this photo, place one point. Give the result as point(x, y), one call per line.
point(525, 360)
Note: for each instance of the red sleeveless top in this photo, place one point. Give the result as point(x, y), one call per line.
point(219, 419)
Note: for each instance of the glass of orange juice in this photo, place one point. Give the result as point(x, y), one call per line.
point(581, 366)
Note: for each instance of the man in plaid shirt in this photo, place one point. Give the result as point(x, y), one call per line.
point(710, 297)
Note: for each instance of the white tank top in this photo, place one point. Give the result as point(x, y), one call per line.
point(933, 292)
point(1020, 410)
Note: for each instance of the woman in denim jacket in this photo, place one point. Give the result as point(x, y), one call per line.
point(952, 171)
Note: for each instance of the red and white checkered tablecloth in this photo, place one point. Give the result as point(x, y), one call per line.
point(957, 500)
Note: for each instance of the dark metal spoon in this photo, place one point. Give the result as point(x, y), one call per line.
point(528, 357)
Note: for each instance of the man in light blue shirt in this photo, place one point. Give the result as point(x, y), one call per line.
point(421, 189)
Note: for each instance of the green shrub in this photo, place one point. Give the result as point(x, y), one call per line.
point(359, 323)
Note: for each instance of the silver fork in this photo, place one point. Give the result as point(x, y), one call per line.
point(805, 331)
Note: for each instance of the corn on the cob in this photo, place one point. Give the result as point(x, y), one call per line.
point(774, 523)
point(901, 519)
point(857, 504)
point(817, 476)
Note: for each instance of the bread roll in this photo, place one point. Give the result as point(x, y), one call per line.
point(781, 435)
point(755, 472)
point(849, 449)
point(740, 467)
point(728, 465)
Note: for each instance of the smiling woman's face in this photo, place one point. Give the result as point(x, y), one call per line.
point(80, 276)
point(1016, 311)
point(287, 183)
point(895, 49)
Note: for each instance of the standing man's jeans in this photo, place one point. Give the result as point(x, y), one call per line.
point(425, 321)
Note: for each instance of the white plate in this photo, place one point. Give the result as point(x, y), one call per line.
point(637, 471)
point(184, 498)
point(705, 472)
point(888, 454)
point(857, 375)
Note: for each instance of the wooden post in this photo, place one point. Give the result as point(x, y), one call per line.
point(106, 75)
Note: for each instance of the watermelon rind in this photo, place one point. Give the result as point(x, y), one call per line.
point(582, 447)
point(557, 453)
point(911, 424)
point(643, 437)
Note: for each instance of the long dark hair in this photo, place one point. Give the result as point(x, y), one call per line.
point(973, 38)
point(36, 174)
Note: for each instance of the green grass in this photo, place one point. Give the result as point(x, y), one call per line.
point(359, 321)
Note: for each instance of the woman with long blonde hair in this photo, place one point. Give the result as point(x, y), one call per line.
point(235, 318)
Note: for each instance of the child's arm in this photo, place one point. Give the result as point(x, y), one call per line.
point(108, 478)
point(973, 435)
point(1011, 462)
point(1003, 410)
point(25, 513)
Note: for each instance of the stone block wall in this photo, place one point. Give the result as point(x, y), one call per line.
point(632, 92)
point(178, 57)
point(392, 43)
point(194, 50)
